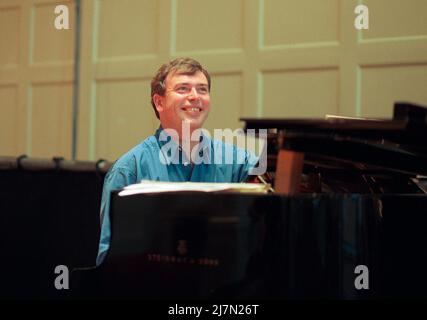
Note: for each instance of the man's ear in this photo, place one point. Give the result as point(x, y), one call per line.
point(158, 102)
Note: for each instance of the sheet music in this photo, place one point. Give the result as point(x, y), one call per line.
point(332, 116)
point(147, 186)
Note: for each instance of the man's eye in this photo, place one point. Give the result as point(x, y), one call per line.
point(183, 89)
point(203, 90)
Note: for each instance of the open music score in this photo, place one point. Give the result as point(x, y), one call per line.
point(147, 186)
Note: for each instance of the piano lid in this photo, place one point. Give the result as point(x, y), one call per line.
point(398, 144)
point(408, 126)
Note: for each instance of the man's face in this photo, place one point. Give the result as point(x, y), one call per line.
point(186, 100)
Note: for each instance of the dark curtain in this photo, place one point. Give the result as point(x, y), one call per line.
point(47, 218)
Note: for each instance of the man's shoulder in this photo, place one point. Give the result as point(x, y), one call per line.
point(135, 155)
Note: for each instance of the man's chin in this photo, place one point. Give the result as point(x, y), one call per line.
point(193, 123)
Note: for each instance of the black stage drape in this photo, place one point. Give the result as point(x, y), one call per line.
point(49, 216)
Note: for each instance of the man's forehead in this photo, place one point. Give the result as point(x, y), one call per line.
point(182, 77)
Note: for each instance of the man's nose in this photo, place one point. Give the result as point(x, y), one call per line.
point(193, 94)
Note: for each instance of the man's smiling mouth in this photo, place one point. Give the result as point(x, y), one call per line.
point(192, 109)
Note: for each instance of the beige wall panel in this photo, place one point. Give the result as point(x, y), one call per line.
point(127, 28)
point(396, 18)
point(124, 116)
point(49, 45)
point(208, 25)
point(51, 120)
point(9, 36)
point(9, 120)
point(382, 86)
point(300, 93)
point(226, 100)
point(287, 22)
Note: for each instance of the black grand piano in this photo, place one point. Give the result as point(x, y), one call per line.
point(347, 220)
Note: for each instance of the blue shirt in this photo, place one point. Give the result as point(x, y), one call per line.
point(159, 158)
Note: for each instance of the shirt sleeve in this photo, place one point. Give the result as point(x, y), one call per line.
point(116, 179)
point(248, 161)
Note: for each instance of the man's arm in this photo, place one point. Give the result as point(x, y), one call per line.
point(116, 179)
point(246, 162)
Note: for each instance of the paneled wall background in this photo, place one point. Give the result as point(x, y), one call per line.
point(268, 58)
point(36, 80)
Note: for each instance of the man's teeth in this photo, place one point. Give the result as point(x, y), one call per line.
point(193, 109)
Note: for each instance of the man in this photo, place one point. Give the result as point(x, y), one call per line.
point(178, 151)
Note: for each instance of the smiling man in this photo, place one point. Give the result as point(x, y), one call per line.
point(178, 151)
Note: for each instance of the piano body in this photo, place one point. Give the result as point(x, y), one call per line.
point(348, 220)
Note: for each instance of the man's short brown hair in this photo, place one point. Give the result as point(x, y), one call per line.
point(187, 66)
